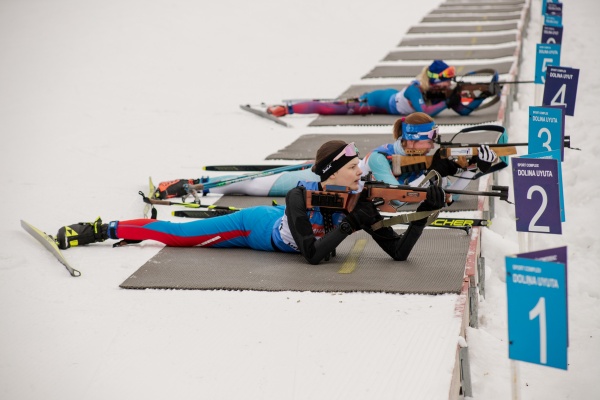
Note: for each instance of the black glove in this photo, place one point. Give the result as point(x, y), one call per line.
point(485, 158)
point(454, 99)
point(363, 216)
point(443, 166)
point(436, 198)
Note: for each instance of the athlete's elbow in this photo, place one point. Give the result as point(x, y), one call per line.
point(400, 257)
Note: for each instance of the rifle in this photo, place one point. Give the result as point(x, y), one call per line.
point(461, 153)
point(384, 196)
point(461, 156)
point(470, 91)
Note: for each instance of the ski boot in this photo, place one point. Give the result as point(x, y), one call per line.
point(277, 111)
point(81, 233)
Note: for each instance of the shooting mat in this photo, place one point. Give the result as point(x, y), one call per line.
point(360, 266)
point(471, 17)
point(450, 54)
point(477, 9)
point(411, 71)
point(430, 40)
point(454, 28)
point(446, 117)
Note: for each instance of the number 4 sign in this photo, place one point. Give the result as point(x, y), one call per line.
point(560, 88)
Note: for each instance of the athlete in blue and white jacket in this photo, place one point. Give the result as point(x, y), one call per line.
point(415, 136)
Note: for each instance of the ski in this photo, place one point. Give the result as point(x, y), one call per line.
point(48, 242)
point(148, 208)
point(209, 213)
point(449, 222)
point(241, 167)
point(460, 222)
point(263, 114)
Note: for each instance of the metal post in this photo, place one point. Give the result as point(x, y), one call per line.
point(465, 372)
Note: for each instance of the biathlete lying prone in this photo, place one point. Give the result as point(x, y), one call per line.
point(413, 135)
point(427, 93)
point(314, 232)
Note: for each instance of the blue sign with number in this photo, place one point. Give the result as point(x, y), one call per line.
point(552, 34)
point(554, 154)
point(537, 311)
point(554, 9)
point(545, 5)
point(552, 20)
point(536, 193)
point(555, 255)
point(546, 55)
point(560, 88)
point(546, 130)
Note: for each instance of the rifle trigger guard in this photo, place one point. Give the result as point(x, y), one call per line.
point(377, 201)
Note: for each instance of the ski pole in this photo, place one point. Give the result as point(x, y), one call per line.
point(260, 174)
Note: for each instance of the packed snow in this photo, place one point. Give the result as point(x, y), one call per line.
point(97, 96)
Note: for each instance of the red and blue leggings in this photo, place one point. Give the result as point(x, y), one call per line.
point(250, 228)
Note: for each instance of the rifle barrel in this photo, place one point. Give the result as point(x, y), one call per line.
point(497, 191)
point(567, 143)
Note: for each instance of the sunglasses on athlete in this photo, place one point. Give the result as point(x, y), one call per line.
point(448, 73)
point(349, 150)
point(427, 131)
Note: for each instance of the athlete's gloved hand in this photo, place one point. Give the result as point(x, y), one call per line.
point(363, 216)
point(443, 166)
point(454, 99)
point(436, 198)
point(485, 157)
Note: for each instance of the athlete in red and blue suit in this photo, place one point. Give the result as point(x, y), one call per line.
point(312, 232)
point(391, 101)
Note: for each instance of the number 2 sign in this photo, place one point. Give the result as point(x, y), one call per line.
point(537, 196)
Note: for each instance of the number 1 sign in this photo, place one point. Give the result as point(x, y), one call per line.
point(537, 311)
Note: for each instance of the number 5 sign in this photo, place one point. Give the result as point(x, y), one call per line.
point(560, 88)
point(537, 311)
point(546, 55)
point(537, 196)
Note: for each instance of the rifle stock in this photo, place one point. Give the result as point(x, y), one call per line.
point(383, 196)
point(447, 152)
point(460, 155)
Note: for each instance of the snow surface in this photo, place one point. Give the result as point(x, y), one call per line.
point(97, 96)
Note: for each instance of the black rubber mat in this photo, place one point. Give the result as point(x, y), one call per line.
point(475, 3)
point(446, 117)
point(471, 17)
point(466, 8)
point(431, 40)
point(454, 28)
point(409, 71)
point(309, 144)
point(248, 201)
point(360, 266)
point(450, 54)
